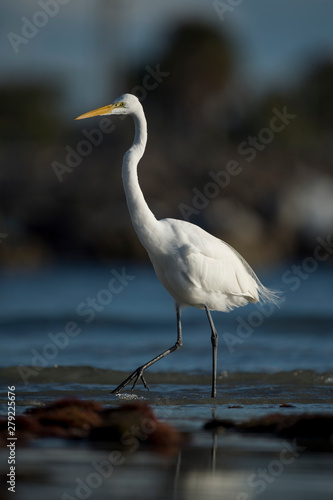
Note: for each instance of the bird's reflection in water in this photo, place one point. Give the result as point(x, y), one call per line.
point(202, 471)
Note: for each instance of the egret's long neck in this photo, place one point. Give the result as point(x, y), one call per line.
point(143, 219)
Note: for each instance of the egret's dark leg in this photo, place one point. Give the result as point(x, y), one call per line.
point(214, 340)
point(138, 373)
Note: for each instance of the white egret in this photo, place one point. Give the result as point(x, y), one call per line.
point(196, 268)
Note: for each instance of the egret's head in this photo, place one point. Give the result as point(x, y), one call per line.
point(123, 105)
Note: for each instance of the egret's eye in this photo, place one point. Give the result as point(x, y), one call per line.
point(119, 104)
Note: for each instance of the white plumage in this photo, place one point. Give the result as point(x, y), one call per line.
point(200, 270)
point(196, 268)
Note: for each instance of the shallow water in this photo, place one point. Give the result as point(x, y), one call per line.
point(267, 357)
point(85, 324)
point(214, 467)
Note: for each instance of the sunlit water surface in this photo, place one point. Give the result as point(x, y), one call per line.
point(80, 330)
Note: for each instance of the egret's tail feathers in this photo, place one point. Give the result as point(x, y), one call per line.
point(267, 295)
point(260, 292)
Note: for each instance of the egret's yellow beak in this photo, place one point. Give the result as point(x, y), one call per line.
point(104, 110)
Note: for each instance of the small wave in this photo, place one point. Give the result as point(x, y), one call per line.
point(90, 375)
point(295, 321)
point(127, 396)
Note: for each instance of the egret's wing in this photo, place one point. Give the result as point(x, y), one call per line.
point(225, 274)
point(212, 265)
point(221, 277)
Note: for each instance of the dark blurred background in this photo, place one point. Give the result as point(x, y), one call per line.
point(210, 79)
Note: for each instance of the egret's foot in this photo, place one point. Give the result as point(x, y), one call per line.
point(136, 375)
point(140, 376)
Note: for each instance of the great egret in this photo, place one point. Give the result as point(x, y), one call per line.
point(196, 268)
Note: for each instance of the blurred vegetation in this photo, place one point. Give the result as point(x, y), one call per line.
point(198, 117)
point(29, 114)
